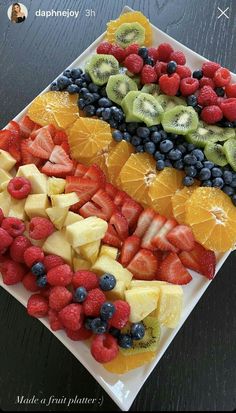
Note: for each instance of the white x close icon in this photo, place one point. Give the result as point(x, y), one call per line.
point(223, 13)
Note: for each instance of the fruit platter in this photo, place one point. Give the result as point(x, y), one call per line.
point(118, 199)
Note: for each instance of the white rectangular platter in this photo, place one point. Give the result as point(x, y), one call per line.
point(124, 388)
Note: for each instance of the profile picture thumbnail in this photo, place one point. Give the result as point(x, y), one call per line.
point(17, 13)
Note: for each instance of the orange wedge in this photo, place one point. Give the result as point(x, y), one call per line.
point(166, 183)
point(178, 201)
point(57, 108)
point(212, 217)
point(117, 158)
point(137, 176)
point(122, 364)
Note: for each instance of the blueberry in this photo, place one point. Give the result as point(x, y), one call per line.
point(113, 123)
point(104, 103)
point(98, 326)
point(115, 332)
point(190, 171)
point(103, 92)
point(208, 182)
point(41, 281)
point(139, 148)
point(143, 132)
point(136, 141)
point(233, 183)
point(171, 67)
point(81, 103)
point(67, 73)
point(106, 113)
point(131, 127)
point(217, 182)
point(188, 181)
point(199, 165)
point(83, 91)
point(150, 148)
point(174, 155)
point(153, 129)
point(76, 73)
point(117, 135)
point(204, 174)
point(88, 98)
point(160, 165)
point(73, 89)
point(198, 109)
point(99, 112)
point(192, 100)
point(127, 136)
point(93, 88)
point(145, 140)
point(54, 86)
point(182, 149)
point(220, 91)
point(199, 154)
point(234, 199)
point(149, 61)
point(107, 310)
point(216, 172)
point(84, 84)
point(173, 136)
point(137, 331)
point(86, 78)
point(38, 269)
point(197, 74)
point(208, 164)
point(166, 146)
point(228, 177)
point(107, 282)
point(190, 147)
point(90, 110)
point(228, 124)
point(179, 164)
point(123, 127)
point(155, 137)
point(168, 163)
point(80, 294)
point(88, 322)
point(63, 82)
point(228, 190)
point(78, 82)
point(117, 114)
point(159, 156)
point(125, 341)
point(163, 135)
point(96, 97)
point(190, 159)
point(143, 52)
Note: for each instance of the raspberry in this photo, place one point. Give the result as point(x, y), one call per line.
point(18, 247)
point(222, 77)
point(228, 107)
point(220, 100)
point(60, 275)
point(104, 348)
point(132, 49)
point(93, 302)
point(207, 96)
point(13, 226)
point(19, 187)
point(230, 91)
point(12, 272)
point(59, 297)
point(206, 81)
point(5, 239)
point(86, 279)
point(37, 306)
point(134, 63)
point(169, 84)
point(178, 57)
point(32, 255)
point(164, 51)
point(71, 316)
point(104, 48)
point(209, 68)
point(148, 75)
point(183, 71)
point(45, 292)
point(211, 114)
point(81, 334)
point(118, 53)
point(160, 69)
point(188, 86)
point(29, 282)
point(152, 52)
point(51, 261)
point(121, 316)
point(1, 216)
point(40, 228)
point(55, 323)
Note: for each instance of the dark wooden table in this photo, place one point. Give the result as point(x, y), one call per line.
point(197, 372)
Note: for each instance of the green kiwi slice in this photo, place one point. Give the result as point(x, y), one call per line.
point(214, 152)
point(169, 102)
point(151, 88)
point(150, 341)
point(129, 33)
point(181, 120)
point(101, 67)
point(230, 152)
point(212, 133)
point(127, 106)
point(118, 86)
point(147, 109)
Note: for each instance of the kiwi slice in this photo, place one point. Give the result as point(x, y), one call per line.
point(118, 86)
point(147, 109)
point(127, 105)
point(151, 88)
point(214, 152)
point(212, 133)
point(150, 341)
point(230, 152)
point(101, 67)
point(180, 120)
point(169, 102)
point(129, 33)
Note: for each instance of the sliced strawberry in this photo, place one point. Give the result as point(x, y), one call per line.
point(10, 142)
point(131, 211)
point(160, 241)
point(120, 224)
point(111, 238)
point(181, 237)
point(102, 206)
point(96, 174)
point(27, 126)
point(65, 145)
point(59, 163)
point(130, 247)
point(49, 128)
point(153, 229)
point(200, 259)
point(144, 265)
point(144, 222)
point(120, 198)
point(111, 190)
point(173, 271)
point(26, 157)
point(5, 136)
point(14, 128)
point(84, 187)
point(59, 137)
point(81, 170)
point(42, 146)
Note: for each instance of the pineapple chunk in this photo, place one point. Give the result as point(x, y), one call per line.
point(27, 170)
point(56, 186)
point(90, 251)
point(118, 292)
point(64, 200)
point(36, 205)
point(38, 183)
point(107, 264)
point(80, 264)
point(86, 231)
point(142, 302)
point(143, 283)
point(57, 244)
point(71, 218)
point(17, 209)
point(5, 202)
point(6, 160)
point(4, 176)
point(57, 216)
point(170, 305)
point(4, 186)
point(110, 251)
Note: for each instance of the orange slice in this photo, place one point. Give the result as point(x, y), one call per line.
point(122, 364)
point(166, 183)
point(178, 201)
point(117, 158)
point(88, 137)
point(212, 217)
point(57, 108)
point(137, 176)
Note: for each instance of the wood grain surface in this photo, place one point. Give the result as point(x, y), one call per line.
point(197, 372)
